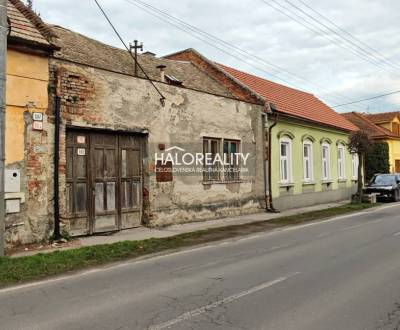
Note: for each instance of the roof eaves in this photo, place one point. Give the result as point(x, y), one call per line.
point(43, 28)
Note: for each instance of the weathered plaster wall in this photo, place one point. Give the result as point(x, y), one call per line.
point(27, 150)
point(301, 193)
point(101, 99)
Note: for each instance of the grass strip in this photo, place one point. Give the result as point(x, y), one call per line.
point(24, 269)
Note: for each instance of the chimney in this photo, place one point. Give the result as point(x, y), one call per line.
point(149, 54)
point(162, 71)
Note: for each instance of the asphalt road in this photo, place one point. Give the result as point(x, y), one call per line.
point(343, 273)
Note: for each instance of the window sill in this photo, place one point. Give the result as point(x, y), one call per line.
point(309, 183)
point(342, 180)
point(286, 184)
point(326, 181)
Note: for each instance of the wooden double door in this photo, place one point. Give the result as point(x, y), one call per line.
point(104, 181)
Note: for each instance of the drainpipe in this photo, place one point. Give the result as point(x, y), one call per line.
point(264, 120)
point(57, 122)
point(3, 55)
point(270, 207)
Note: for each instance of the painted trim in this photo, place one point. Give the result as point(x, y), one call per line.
point(283, 133)
point(308, 137)
point(325, 140)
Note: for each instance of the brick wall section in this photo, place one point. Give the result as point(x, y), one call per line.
point(237, 90)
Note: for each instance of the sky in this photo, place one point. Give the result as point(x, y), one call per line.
point(306, 55)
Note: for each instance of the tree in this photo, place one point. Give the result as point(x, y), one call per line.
point(360, 144)
point(377, 160)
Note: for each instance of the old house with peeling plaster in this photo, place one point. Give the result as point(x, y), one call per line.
point(113, 130)
point(28, 166)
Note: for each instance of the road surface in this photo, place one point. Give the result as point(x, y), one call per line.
point(343, 273)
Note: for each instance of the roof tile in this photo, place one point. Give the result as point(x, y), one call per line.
point(292, 101)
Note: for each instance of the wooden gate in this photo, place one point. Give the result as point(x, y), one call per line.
point(104, 181)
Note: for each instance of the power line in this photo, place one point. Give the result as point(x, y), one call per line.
point(300, 20)
point(348, 33)
point(193, 31)
point(162, 99)
point(346, 39)
point(367, 99)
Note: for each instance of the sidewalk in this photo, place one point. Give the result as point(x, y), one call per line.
point(142, 233)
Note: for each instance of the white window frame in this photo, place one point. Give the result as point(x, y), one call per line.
point(288, 159)
point(341, 162)
point(326, 160)
point(354, 165)
point(308, 161)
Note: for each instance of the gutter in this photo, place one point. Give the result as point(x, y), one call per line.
point(57, 122)
point(270, 206)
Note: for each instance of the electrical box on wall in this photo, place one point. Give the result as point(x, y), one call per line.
point(13, 206)
point(12, 181)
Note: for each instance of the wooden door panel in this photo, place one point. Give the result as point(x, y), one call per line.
point(104, 181)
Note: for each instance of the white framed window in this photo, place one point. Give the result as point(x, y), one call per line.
point(307, 161)
point(341, 162)
point(285, 147)
point(354, 166)
point(326, 169)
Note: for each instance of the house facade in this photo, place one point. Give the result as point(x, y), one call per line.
point(112, 150)
point(383, 127)
point(309, 160)
point(391, 122)
point(26, 145)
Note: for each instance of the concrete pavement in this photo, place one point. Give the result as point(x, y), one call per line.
point(142, 233)
point(343, 273)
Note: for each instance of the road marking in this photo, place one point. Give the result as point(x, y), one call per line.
point(207, 308)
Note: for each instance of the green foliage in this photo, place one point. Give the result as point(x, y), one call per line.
point(377, 160)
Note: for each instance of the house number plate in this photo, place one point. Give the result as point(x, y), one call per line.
point(81, 151)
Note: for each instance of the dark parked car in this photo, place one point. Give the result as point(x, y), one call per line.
point(385, 185)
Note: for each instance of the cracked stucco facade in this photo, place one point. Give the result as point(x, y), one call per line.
point(98, 99)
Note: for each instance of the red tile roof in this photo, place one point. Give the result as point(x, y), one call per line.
point(27, 26)
point(292, 101)
point(384, 117)
point(365, 124)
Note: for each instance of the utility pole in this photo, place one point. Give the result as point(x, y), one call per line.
point(3, 56)
point(136, 47)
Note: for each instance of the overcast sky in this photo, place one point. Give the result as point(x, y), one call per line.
point(263, 31)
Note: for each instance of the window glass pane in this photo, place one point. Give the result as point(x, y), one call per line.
point(99, 197)
point(123, 163)
point(135, 194)
point(234, 147)
point(125, 195)
point(283, 149)
point(80, 197)
point(110, 196)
